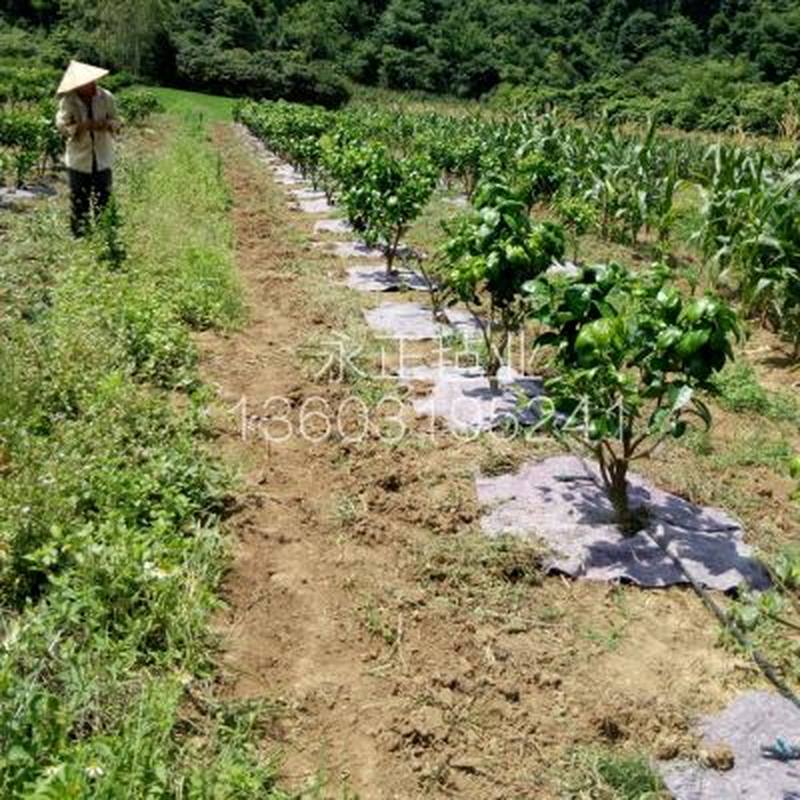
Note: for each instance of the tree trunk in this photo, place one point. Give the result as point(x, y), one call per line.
point(618, 494)
point(391, 250)
point(492, 368)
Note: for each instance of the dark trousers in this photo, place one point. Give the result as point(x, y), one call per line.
point(87, 189)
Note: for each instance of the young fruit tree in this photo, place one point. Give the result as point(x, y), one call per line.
point(628, 356)
point(490, 255)
point(383, 194)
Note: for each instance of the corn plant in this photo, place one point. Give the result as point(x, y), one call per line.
point(751, 236)
point(578, 216)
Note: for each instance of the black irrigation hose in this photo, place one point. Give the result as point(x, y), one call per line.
point(769, 670)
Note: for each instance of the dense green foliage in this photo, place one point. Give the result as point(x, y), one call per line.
point(717, 64)
point(488, 258)
point(629, 354)
point(29, 140)
point(109, 502)
point(623, 186)
point(136, 105)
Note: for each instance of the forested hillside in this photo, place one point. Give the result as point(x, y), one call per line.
point(700, 64)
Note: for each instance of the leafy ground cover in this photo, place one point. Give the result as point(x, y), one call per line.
point(110, 499)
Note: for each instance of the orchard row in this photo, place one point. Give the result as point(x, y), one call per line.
point(738, 207)
point(628, 350)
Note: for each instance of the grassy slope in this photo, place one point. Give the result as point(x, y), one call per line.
point(110, 504)
point(194, 104)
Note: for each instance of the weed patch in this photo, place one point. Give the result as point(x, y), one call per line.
point(611, 775)
point(110, 505)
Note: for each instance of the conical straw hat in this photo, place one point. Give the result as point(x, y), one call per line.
point(79, 74)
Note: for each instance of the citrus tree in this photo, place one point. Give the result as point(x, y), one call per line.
point(383, 194)
point(490, 255)
point(630, 356)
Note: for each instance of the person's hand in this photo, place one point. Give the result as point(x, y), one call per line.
point(110, 125)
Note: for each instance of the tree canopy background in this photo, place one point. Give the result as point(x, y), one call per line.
point(697, 63)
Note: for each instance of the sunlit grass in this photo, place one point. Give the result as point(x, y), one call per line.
point(184, 104)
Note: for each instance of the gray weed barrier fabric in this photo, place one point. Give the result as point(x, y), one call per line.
point(463, 398)
point(307, 193)
point(287, 172)
point(332, 226)
point(567, 269)
point(351, 249)
point(290, 181)
point(752, 720)
point(317, 206)
point(415, 322)
point(11, 197)
point(377, 279)
point(561, 502)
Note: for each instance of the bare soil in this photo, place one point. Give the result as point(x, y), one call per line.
point(407, 656)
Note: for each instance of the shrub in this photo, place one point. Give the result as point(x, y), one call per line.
point(136, 105)
point(489, 257)
point(384, 194)
point(629, 356)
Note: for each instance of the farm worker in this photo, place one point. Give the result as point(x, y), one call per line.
point(87, 118)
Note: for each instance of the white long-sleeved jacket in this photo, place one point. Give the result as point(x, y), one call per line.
point(80, 147)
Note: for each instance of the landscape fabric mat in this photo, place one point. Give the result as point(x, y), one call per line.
point(350, 249)
point(561, 502)
point(413, 321)
point(316, 206)
point(370, 278)
point(307, 193)
point(750, 721)
point(463, 398)
point(11, 196)
point(332, 226)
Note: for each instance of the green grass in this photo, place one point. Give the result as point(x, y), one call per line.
point(739, 390)
point(111, 549)
point(183, 104)
point(605, 774)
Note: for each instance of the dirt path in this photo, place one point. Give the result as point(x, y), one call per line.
point(406, 656)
